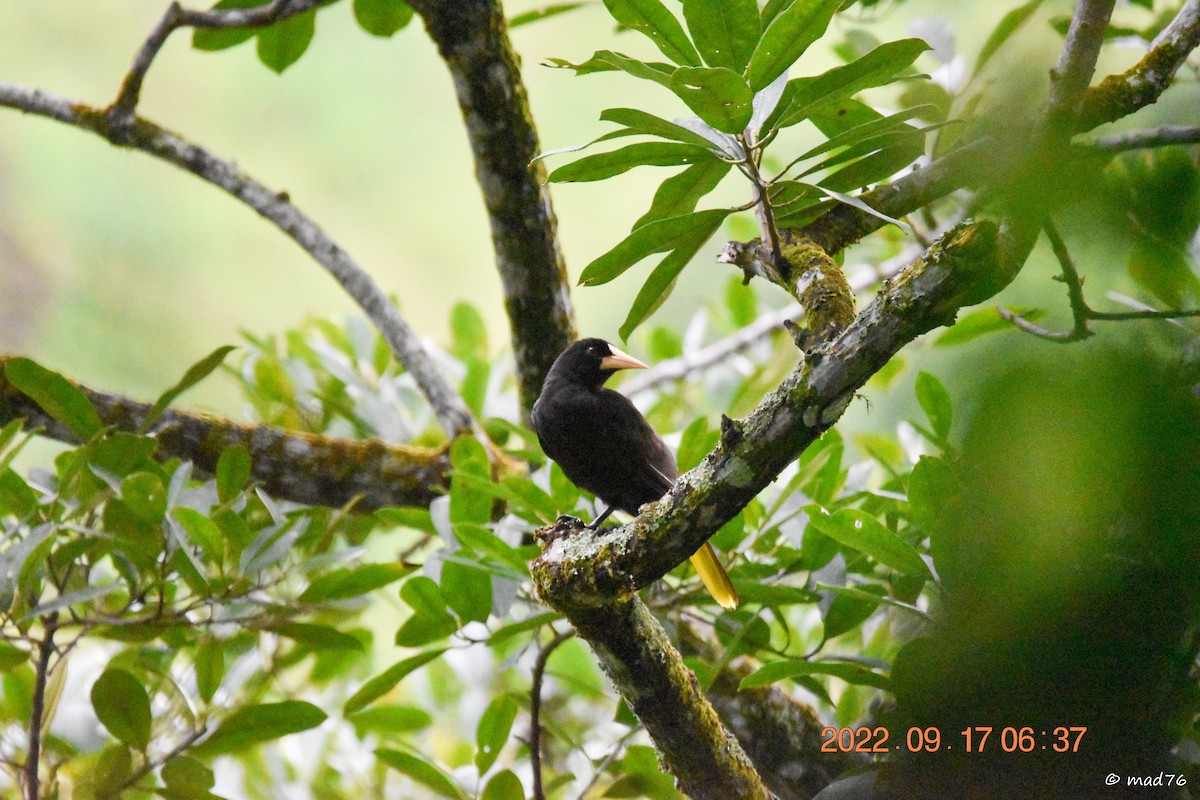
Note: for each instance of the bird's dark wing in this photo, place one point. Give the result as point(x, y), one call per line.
point(604, 445)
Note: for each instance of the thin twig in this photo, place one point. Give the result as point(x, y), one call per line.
point(535, 710)
point(617, 748)
point(1035, 329)
point(121, 112)
point(1070, 276)
point(1163, 136)
point(149, 765)
point(38, 708)
point(1081, 312)
point(447, 405)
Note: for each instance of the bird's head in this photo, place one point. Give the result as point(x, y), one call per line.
point(592, 362)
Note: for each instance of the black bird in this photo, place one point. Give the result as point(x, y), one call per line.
point(604, 444)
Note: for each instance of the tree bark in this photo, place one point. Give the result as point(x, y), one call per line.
point(472, 37)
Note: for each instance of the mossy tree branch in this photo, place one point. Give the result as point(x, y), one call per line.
point(472, 37)
point(648, 671)
point(970, 264)
point(302, 467)
point(592, 578)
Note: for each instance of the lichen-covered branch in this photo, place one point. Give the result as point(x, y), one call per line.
point(648, 671)
point(1142, 84)
point(303, 467)
point(1162, 136)
point(473, 40)
point(1076, 64)
point(592, 578)
point(448, 407)
point(970, 264)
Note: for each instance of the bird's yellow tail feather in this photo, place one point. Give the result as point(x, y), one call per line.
point(714, 577)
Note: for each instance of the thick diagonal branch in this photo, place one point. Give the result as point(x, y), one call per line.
point(650, 674)
point(970, 264)
point(451, 411)
point(592, 578)
point(473, 40)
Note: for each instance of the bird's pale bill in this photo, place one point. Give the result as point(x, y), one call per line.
point(620, 360)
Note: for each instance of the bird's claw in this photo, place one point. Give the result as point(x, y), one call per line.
point(565, 525)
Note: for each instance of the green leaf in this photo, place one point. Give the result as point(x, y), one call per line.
point(1166, 271)
point(877, 166)
point(658, 286)
point(787, 37)
point(423, 772)
point(145, 495)
point(282, 44)
point(544, 12)
point(492, 731)
point(123, 707)
point(517, 491)
point(256, 724)
point(935, 402)
point(387, 680)
point(982, 322)
point(212, 39)
point(523, 626)
point(848, 611)
point(600, 166)
point(858, 133)
point(679, 194)
point(201, 530)
point(233, 471)
point(725, 31)
point(607, 60)
point(643, 122)
point(874, 69)
point(210, 668)
point(11, 657)
point(860, 531)
point(16, 496)
point(431, 620)
point(389, 720)
point(717, 95)
point(775, 595)
point(654, 237)
point(504, 785)
point(316, 637)
point(382, 17)
point(342, 584)
point(1007, 26)
point(468, 332)
point(651, 18)
point(778, 670)
point(469, 458)
point(467, 589)
point(187, 777)
point(55, 395)
point(196, 373)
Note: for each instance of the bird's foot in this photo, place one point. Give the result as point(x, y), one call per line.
point(565, 525)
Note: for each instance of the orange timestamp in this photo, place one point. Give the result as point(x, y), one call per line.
point(974, 739)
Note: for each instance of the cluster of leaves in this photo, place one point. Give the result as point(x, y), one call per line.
point(174, 582)
point(281, 44)
point(730, 68)
point(1158, 194)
